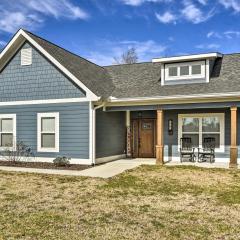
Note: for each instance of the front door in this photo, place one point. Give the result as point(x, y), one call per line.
point(143, 138)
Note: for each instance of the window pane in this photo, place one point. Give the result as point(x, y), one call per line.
point(48, 140)
point(196, 69)
point(216, 136)
point(172, 71)
point(6, 140)
point(194, 137)
point(48, 124)
point(211, 124)
point(190, 125)
point(184, 70)
point(7, 125)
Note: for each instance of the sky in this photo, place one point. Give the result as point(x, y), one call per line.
point(100, 30)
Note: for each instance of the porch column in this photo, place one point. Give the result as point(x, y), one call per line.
point(128, 134)
point(160, 145)
point(233, 147)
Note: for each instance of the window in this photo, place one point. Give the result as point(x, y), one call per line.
point(200, 126)
point(26, 56)
point(173, 71)
point(8, 131)
point(48, 132)
point(184, 71)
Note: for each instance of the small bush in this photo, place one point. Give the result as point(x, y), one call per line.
point(61, 161)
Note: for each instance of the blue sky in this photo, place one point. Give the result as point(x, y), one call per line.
point(102, 29)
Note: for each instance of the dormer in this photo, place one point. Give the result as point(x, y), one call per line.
point(186, 69)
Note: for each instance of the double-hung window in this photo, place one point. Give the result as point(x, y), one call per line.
point(7, 131)
point(48, 132)
point(200, 126)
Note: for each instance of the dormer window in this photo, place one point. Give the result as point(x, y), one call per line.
point(185, 71)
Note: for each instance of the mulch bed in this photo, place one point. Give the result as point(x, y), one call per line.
point(44, 165)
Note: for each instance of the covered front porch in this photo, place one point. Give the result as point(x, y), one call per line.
point(154, 131)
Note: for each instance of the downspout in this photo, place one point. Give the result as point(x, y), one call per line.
point(93, 154)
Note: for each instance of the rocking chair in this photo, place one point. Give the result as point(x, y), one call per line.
point(208, 150)
point(187, 149)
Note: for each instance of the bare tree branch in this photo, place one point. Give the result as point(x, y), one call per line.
point(127, 57)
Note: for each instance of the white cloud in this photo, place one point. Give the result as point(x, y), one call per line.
point(231, 34)
point(203, 2)
point(213, 34)
point(29, 14)
point(140, 2)
point(194, 14)
point(231, 4)
point(210, 46)
point(146, 50)
point(167, 17)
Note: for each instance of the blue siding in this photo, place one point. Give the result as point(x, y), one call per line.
point(74, 127)
point(41, 80)
point(110, 133)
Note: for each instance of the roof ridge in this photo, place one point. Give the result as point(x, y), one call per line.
point(28, 32)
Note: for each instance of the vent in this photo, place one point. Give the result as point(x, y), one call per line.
point(26, 56)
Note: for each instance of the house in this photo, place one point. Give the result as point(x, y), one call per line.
point(60, 104)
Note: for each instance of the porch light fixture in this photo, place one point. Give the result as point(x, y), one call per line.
point(170, 127)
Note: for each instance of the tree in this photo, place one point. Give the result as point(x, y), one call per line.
point(127, 57)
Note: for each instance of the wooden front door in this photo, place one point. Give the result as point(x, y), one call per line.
point(143, 138)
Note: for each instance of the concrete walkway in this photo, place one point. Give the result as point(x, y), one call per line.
point(106, 170)
point(110, 169)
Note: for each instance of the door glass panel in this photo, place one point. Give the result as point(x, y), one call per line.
point(194, 137)
point(6, 140)
point(210, 124)
point(216, 136)
point(190, 124)
point(146, 126)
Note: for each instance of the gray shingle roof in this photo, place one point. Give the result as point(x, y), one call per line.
point(143, 79)
point(94, 77)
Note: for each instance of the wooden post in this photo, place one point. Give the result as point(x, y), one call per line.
point(233, 147)
point(160, 145)
point(128, 127)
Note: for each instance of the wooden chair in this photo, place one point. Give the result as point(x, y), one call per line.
point(208, 150)
point(187, 149)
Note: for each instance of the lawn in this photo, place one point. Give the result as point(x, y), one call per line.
point(150, 202)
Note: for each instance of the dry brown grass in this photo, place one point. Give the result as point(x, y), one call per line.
point(150, 202)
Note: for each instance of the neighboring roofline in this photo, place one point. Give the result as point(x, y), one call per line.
point(187, 57)
point(174, 97)
point(90, 95)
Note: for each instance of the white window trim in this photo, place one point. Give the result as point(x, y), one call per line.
point(13, 117)
point(39, 122)
point(221, 116)
point(185, 77)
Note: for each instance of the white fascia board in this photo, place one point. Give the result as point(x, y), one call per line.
point(89, 93)
point(174, 97)
point(186, 58)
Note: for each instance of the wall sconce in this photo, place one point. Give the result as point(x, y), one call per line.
point(170, 127)
point(140, 114)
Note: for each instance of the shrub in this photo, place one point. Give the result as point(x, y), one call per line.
point(61, 161)
point(21, 152)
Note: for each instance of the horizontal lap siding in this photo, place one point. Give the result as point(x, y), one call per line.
point(74, 127)
point(40, 80)
point(110, 133)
